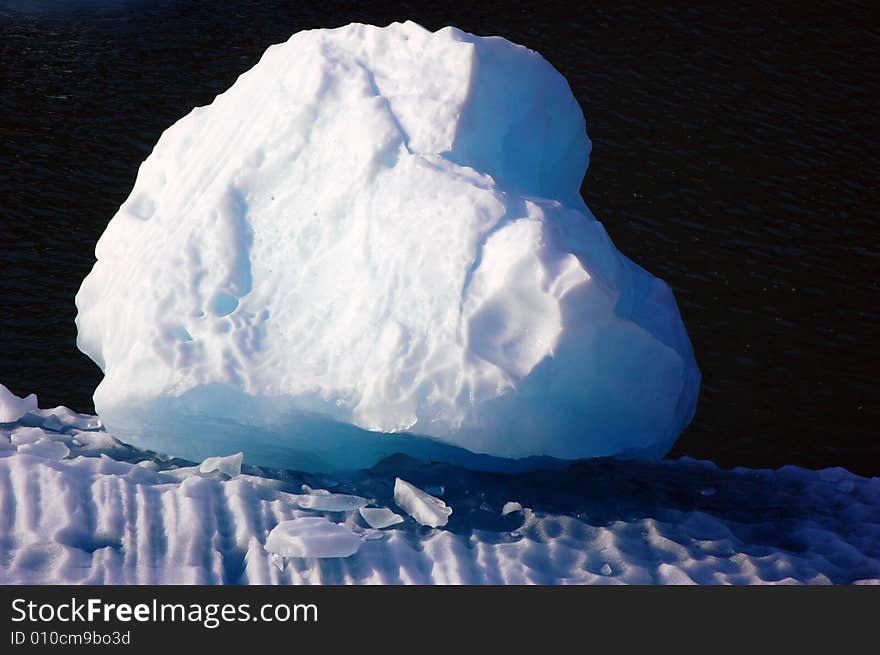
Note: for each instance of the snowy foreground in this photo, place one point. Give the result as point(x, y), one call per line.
point(78, 506)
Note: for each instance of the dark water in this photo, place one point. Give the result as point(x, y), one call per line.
point(735, 155)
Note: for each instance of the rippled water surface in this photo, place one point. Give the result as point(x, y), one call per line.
point(734, 155)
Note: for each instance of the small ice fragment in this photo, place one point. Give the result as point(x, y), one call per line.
point(22, 436)
point(833, 474)
point(47, 449)
point(229, 465)
point(277, 561)
point(510, 507)
point(60, 417)
point(12, 407)
point(373, 535)
point(846, 486)
point(266, 483)
point(181, 473)
point(380, 517)
point(436, 489)
point(708, 491)
point(312, 536)
point(423, 507)
point(606, 569)
point(322, 500)
point(97, 442)
point(48, 421)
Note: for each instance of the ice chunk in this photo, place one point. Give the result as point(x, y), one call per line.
point(387, 252)
point(62, 417)
point(182, 473)
point(312, 536)
point(93, 442)
point(46, 448)
point(423, 507)
point(12, 407)
point(373, 535)
point(322, 500)
point(510, 507)
point(229, 465)
point(606, 569)
point(380, 517)
point(277, 561)
point(22, 436)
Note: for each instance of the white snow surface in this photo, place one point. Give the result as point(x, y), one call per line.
point(108, 513)
point(374, 242)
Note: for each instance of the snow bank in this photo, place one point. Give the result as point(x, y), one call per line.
point(93, 518)
point(374, 242)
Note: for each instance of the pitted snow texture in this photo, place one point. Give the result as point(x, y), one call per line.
point(91, 518)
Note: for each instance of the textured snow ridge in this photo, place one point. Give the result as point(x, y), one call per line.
point(379, 231)
point(80, 514)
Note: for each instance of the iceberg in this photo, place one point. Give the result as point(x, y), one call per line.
point(510, 507)
point(374, 242)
